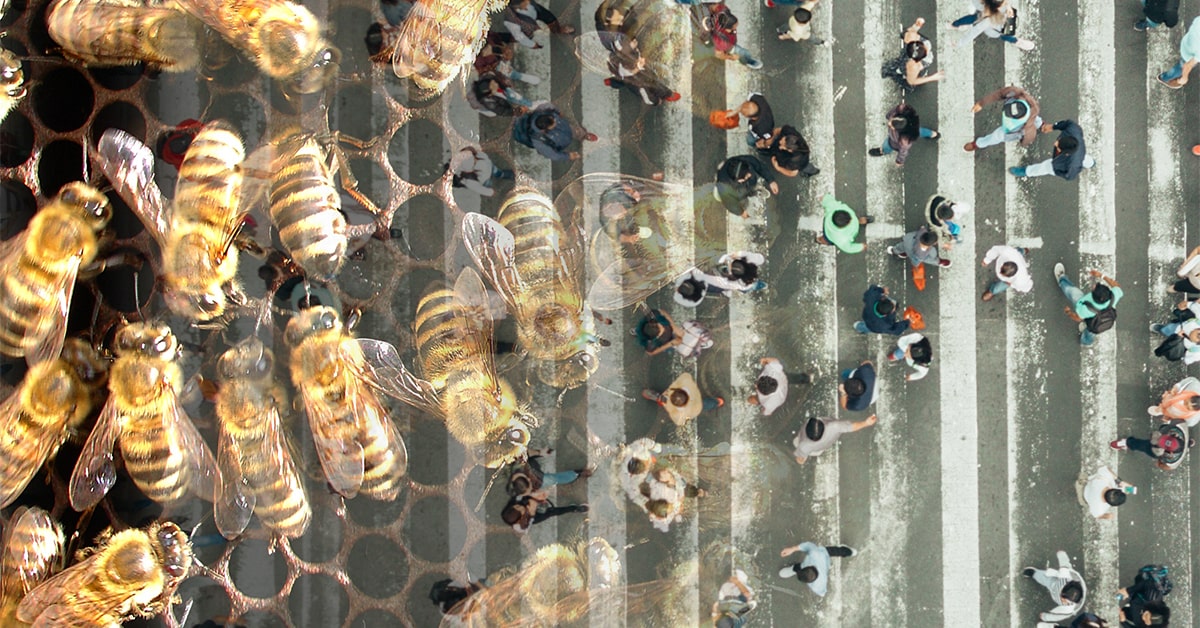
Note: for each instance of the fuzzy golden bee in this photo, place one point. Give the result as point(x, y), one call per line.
point(537, 265)
point(257, 472)
point(33, 547)
point(283, 38)
point(40, 266)
point(163, 453)
point(126, 32)
point(196, 232)
point(307, 209)
point(439, 38)
point(52, 401)
point(12, 82)
point(132, 573)
point(358, 445)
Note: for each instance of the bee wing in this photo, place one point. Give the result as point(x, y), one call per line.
point(256, 182)
point(48, 603)
point(31, 569)
point(492, 248)
point(388, 374)
point(95, 473)
point(21, 466)
point(129, 166)
point(234, 502)
point(420, 35)
point(341, 458)
point(12, 248)
point(205, 474)
point(50, 345)
point(470, 294)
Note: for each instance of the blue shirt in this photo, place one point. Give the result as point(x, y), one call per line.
point(1189, 46)
point(816, 556)
point(866, 373)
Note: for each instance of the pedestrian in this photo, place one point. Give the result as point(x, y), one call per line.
point(799, 24)
point(682, 399)
point(1152, 583)
point(637, 460)
point(909, 69)
point(448, 595)
point(1189, 275)
point(1189, 54)
point(742, 267)
point(1012, 271)
point(919, 247)
point(858, 389)
point(619, 215)
point(493, 95)
point(996, 19)
point(1139, 614)
point(789, 153)
point(761, 120)
point(1188, 330)
point(904, 128)
point(497, 56)
point(696, 338)
point(916, 350)
point(1158, 12)
point(1095, 311)
point(472, 169)
point(1180, 403)
point(1070, 154)
point(657, 332)
point(819, 435)
point(945, 218)
point(725, 40)
point(737, 181)
point(522, 18)
point(1167, 446)
point(771, 385)
point(628, 69)
point(1019, 118)
point(1088, 620)
point(1102, 492)
point(662, 493)
point(694, 285)
point(814, 569)
point(545, 130)
point(880, 314)
point(1066, 588)
point(841, 225)
point(610, 21)
point(735, 599)
point(524, 511)
point(527, 476)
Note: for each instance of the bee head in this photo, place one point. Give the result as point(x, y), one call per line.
point(248, 359)
point(573, 371)
point(174, 551)
point(11, 75)
point(507, 445)
point(318, 73)
point(149, 339)
point(203, 306)
point(89, 366)
point(312, 321)
point(89, 202)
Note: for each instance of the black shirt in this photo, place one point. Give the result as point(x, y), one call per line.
point(762, 125)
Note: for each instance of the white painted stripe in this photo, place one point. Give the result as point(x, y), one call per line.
point(532, 168)
point(876, 231)
point(956, 314)
point(1026, 243)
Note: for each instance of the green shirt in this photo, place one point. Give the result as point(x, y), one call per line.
point(1085, 312)
point(841, 237)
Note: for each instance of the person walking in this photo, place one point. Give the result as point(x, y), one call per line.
point(789, 153)
point(521, 18)
point(725, 39)
point(1189, 55)
point(771, 385)
point(916, 351)
point(1102, 492)
point(996, 19)
point(799, 24)
point(1019, 118)
point(472, 169)
point(909, 69)
point(919, 247)
point(819, 435)
point(1070, 154)
point(880, 314)
point(525, 511)
point(1167, 446)
point(1180, 403)
point(1066, 588)
point(1156, 12)
point(743, 268)
point(1188, 329)
point(761, 120)
point(545, 130)
point(1012, 271)
point(1189, 275)
point(841, 226)
point(737, 181)
point(858, 390)
point(735, 599)
point(682, 399)
point(945, 218)
point(814, 569)
point(904, 129)
point(527, 477)
point(628, 69)
point(1095, 311)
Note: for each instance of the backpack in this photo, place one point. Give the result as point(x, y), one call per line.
point(1160, 582)
point(1103, 320)
point(522, 132)
point(1172, 348)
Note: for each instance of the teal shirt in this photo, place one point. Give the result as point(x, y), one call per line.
point(1189, 46)
point(1085, 312)
point(841, 237)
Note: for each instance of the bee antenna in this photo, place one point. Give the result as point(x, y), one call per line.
point(488, 488)
point(137, 298)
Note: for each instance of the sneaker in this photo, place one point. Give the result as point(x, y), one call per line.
point(1140, 26)
point(1172, 84)
point(987, 295)
point(581, 508)
point(1154, 411)
point(804, 378)
point(868, 219)
point(590, 137)
point(944, 263)
point(860, 327)
point(755, 64)
point(935, 136)
point(1119, 444)
point(770, 3)
point(853, 552)
point(1156, 328)
point(891, 250)
point(586, 472)
point(608, 82)
point(673, 97)
point(1060, 271)
point(875, 152)
point(529, 79)
point(720, 402)
point(1024, 44)
point(1028, 572)
point(1017, 171)
point(650, 395)
point(970, 146)
point(787, 572)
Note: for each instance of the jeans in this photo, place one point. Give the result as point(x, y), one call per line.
point(1140, 444)
point(897, 354)
point(999, 136)
point(546, 512)
point(887, 148)
point(745, 56)
point(562, 477)
point(1173, 73)
point(998, 287)
point(1073, 295)
point(861, 327)
point(710, 403)
point(1044, 168)
point(750, 138)
point(1147, 22)
point(966, 20)
point(1170, 329)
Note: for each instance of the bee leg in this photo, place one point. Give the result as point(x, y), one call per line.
point(602, 318)
point(92, 270)
point(349, 182)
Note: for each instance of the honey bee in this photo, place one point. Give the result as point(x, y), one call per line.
point(357, 443)
point(536, 263)
point(52, 401)
point(164, 454)
point(12, 82)
point(40, 266)
point(439, 38)
point(33, 547)
point(307, 209)
point(131, 573)
point(256, 465)
point(283, 38)
point(125, 32)
point(196, 233)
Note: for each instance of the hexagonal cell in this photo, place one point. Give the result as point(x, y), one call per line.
point(243, 113)
point(119, 115)
point(376, 514)
point(184, 94)
point(498, 549)
point(61, 162)
point(207, 597)
point(118, 78)
point(63, 99)
point(318, 600)
point(419, 152)
point(434, 457)
point(377, 566)
point(349, 41)
point(323, 539)
point(379, 618)
point(367, 270)
point(439, 526)
point(117, 286)
point(38, 35)
point(422, 611)
point(17, 207)
point(255, 571)
point(16, 140)
point(428, 212)
point(359, 112)
point(261, 619)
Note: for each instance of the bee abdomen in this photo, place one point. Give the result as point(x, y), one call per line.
point(210, 177)
point(25, 306)
point(155, 461)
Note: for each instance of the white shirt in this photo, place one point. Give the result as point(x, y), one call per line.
point(807, 448)
point(641, 449)
point(479, 164)
point(904, 343)
point(770, 403)
point(1001, 253)
point(1093, 492)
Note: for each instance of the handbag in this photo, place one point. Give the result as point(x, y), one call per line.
point(915, 319)
point(1010, 25)
point(724, 120)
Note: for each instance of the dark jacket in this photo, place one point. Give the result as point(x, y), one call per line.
point(789, 160)
point(732, 192)
point(881, 324)
point(1069, 165)
point(763, 124)
point(902, 141)
point(1162, 11)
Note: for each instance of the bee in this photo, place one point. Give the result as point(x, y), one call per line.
point(33, 547)
point(196, 233)
point(12, 82)
point(283, 38)
point(536, 263)
point(307, 209)
point(164, 454)
point(40, 266)
point(439, 38)
point(256, 465)
point(357, 443)
point(125, 32)
point(52, 402)
point(131, 573)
